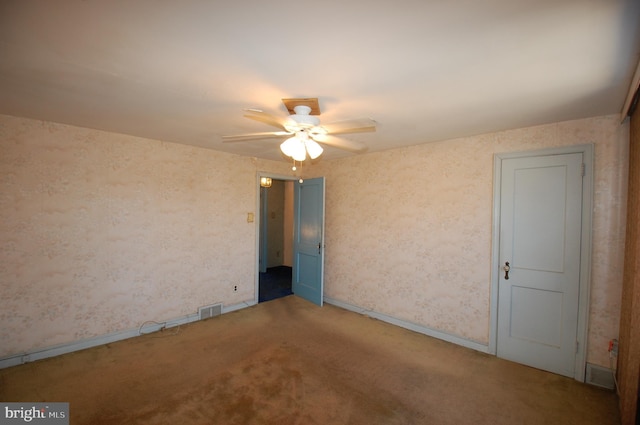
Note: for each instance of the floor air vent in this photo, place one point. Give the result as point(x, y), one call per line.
point(209, 311)
point(600, 376)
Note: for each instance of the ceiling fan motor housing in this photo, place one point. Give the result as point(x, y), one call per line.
point(301, 118)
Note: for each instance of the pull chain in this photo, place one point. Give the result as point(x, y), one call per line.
point(294, 168)
point(300, 180)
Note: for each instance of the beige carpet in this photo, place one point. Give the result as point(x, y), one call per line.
point(290, 362)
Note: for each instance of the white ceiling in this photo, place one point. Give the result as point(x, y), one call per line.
point(183, 71)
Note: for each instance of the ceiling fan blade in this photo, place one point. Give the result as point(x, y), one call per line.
point(359, 125)
point(348, 145)
point(264, 117)
point(255, 136)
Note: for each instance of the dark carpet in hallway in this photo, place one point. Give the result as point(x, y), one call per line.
point(275, 283)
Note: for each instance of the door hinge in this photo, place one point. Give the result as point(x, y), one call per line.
point(577, 347)
point(583, 169)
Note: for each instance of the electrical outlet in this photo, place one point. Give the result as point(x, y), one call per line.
point(235, 288)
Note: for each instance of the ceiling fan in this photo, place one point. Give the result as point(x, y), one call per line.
point(303, 130)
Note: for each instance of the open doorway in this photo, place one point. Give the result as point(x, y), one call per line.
point(276, 240)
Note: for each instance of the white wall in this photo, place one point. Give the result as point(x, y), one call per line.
point(408, 231)
point(102, 232)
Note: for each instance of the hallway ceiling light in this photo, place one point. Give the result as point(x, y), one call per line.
point(265, 181)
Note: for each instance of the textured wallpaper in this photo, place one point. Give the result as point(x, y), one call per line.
point(102, 232)
point(408, 231)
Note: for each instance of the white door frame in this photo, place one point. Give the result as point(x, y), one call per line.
point(257, 223)
point(585, 247)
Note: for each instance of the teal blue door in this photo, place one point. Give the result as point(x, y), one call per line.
point(308, 244)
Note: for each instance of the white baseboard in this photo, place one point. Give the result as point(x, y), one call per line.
point(56, 350)
point(411, 326)
point(240, 306)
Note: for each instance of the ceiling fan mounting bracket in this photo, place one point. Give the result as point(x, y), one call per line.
point(311, 102)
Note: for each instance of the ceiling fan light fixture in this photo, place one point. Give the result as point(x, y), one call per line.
point(294, 148)
point(313, 149)
point(303, 131)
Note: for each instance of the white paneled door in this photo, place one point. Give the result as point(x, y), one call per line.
point(540, 254)
point(308, 240)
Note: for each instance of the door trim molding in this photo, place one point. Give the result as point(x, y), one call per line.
point(258, 218)
point(585, 247)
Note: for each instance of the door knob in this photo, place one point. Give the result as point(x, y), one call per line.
point(506, 269)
